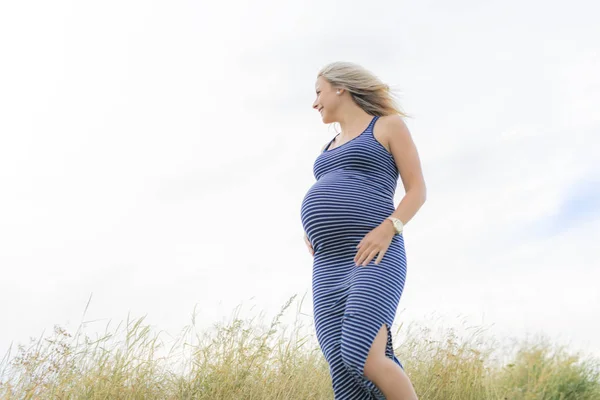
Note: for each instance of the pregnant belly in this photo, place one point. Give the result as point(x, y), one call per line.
point(342, 208)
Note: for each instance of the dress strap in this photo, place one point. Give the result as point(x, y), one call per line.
point(329, 144)
point(370, 128)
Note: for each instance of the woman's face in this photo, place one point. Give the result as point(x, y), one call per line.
point(327, 100)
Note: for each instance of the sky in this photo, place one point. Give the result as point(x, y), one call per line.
point(154, 156)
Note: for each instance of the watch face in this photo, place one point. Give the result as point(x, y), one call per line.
point(398, 226)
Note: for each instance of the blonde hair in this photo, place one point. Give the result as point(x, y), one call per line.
point(366, 89)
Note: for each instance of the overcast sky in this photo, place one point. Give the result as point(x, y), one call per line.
point(154, 156)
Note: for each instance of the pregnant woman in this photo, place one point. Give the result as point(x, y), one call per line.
point(355, 233)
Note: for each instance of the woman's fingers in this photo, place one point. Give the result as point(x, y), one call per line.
point(366, 254)
point(309, 245)
point(381, 254)
point(362, 254)
point(370, 256)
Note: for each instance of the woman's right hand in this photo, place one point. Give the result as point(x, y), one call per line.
point(310, 248)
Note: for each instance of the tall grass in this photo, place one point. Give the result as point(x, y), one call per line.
point(246, 359)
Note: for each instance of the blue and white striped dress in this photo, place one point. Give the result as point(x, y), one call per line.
point(353, 194)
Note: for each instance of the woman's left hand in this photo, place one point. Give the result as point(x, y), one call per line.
point(376, 241)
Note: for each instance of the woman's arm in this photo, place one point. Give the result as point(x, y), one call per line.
point(396, 135)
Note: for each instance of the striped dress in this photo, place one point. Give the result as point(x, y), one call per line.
point(353, 194)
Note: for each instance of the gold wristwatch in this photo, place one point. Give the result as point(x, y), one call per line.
point(398, 225)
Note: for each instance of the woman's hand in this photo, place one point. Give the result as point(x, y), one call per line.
point(376, 241)
point(310, 248)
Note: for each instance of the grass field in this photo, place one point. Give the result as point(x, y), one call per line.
point(245, 359)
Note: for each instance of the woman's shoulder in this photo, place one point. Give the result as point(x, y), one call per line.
point(391, 122)
point(388, 126)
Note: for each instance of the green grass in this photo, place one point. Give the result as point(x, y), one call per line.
point(245, 359)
